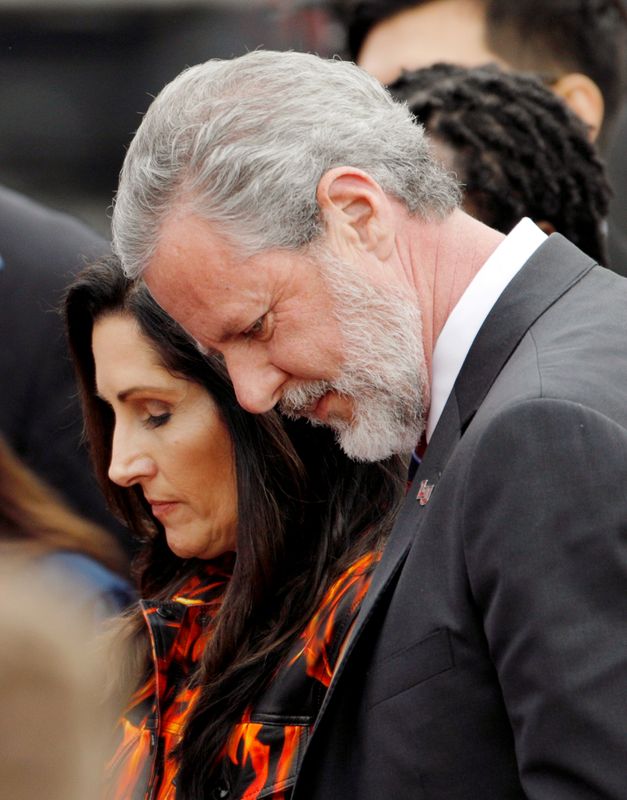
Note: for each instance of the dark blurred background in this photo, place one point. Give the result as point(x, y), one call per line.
point(75, 76)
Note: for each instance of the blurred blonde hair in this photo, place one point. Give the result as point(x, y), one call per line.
point(53, 727)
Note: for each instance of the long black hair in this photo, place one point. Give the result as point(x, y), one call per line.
point(305, 513)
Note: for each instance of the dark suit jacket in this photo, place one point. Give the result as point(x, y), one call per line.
point(489, 661)
point(40, 417)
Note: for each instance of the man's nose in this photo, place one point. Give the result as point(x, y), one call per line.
point(129, 462)
point(257, 383)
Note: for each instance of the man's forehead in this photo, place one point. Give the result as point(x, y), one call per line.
point(188, 241)
point(210, 296)
point(201, 282)
point(191, 254)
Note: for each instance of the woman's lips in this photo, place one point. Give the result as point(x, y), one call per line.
point(161, 508)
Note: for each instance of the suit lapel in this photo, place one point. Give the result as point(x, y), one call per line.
point(550, 272)
point(553, 269)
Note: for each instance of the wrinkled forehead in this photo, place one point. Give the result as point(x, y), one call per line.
point(189, 252)
point(202, 281)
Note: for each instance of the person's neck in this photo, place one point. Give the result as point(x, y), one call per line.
point(443, 258)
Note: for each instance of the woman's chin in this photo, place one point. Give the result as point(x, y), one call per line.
point(183, 548)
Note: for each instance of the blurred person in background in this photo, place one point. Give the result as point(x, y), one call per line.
point(579, 49)
point(515, 147)
point(53, 725)
point(40, 251)
point(258, 542)
point(49, 544)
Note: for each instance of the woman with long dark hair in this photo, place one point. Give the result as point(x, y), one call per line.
point(258, 541)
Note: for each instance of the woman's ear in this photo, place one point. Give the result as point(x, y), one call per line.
point(356, 211)
point(583, 96)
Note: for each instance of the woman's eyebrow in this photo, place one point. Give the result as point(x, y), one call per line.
point(132, 390)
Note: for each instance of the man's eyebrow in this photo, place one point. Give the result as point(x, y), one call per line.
point(236, 329)
point(229, 331)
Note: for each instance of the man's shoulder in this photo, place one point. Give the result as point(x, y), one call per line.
point(591, 313)
point(571, 354)
point(557, 250)
point(573, 310)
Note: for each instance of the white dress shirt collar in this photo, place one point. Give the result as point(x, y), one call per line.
point(473, 307)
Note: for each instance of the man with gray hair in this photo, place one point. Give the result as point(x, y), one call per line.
point(290, 216)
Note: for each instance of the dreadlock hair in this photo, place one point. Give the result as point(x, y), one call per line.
point(516, 148)
point(548, 37)
point(305, 513)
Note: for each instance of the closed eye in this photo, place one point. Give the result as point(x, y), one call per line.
point(257, 329)
point(156, 412)
point(156, 420)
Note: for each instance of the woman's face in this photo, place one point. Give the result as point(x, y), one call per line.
point(169, 438)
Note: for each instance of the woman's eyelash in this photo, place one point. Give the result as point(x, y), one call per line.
point(156, 420)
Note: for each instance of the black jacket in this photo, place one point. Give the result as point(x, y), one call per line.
point(40, 251)
point(489, 659)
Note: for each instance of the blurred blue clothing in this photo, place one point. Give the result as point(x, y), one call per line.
point(98, 591)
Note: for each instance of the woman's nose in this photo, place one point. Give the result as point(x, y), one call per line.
point(129, 463)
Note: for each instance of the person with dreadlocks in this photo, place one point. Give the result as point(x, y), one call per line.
point(578, 48)
point(516, 148)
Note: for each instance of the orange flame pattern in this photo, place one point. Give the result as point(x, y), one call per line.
point(263, 753)
point(318, 636)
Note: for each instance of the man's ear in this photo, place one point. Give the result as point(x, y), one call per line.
point(583, 96)
point(356, 211)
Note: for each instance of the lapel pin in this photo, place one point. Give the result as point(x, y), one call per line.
point(424, 492)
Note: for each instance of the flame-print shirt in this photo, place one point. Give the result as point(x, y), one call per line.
point(267, 745)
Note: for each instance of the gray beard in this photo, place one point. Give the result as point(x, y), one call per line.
point(384, 371)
